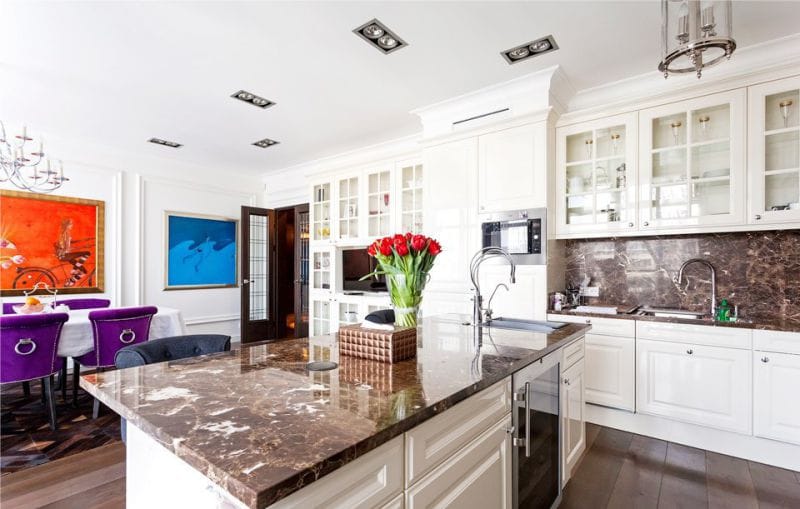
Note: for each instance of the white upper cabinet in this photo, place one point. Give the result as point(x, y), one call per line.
point(348, 207)
point(596, 176)
point(691, 162)
point(774, 148)
point(380, 201)
point(512, 168)
point(409, 184)
point(321, 198)
point(450, 216)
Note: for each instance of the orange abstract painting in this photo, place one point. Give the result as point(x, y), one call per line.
point(50, 239)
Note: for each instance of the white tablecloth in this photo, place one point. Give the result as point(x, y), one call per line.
point(77, 339)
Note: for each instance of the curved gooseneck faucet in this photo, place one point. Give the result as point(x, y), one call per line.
point(679, 278)
point(478, 258)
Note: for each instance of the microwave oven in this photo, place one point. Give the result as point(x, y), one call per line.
point(523, 233)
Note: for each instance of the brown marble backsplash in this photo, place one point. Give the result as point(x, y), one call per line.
point(759, 271)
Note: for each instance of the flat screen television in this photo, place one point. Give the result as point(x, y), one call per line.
point(355, 264)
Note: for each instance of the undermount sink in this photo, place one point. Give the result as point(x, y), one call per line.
point(519, 324)
point(670, 313)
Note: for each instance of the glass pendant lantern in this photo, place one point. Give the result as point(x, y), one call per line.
point(695, 34)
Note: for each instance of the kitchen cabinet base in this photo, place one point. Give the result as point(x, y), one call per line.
point(771, 452)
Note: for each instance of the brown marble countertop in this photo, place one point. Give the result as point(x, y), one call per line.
point(787, 325)
point(259, 424)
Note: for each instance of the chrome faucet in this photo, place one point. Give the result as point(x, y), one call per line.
point(474, 273)
point(679, 278)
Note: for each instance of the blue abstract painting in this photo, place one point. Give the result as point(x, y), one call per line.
point(201, 252)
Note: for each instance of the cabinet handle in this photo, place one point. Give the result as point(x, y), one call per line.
point(566, 381)
point(765, 359)
point(758, 217)
point(588, 321)
point(645, 224)
point(690, 351)
point(630, 225)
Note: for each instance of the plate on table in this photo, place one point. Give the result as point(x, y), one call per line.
point(27, 309)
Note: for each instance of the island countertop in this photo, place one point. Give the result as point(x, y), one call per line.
point(259, 424)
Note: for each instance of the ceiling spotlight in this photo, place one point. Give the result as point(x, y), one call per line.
point(373, 31)
point(530, 49)
point(253, 99)
point(376, 33)
point(265, 143)
point(159, 141)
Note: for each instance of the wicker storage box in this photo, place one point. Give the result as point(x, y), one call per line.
point(378, 345)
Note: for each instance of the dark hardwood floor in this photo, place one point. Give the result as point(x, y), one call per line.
point(623, 470)
point(27, 440)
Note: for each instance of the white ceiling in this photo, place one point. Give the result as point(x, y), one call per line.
point(119, 73)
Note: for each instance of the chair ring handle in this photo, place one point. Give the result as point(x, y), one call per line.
point(127, 332)
point(22, 342)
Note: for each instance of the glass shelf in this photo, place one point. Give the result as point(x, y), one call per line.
point(411, 198)
point(348, 208)
point(320, 317)
point(379, 201)
point(321, 270)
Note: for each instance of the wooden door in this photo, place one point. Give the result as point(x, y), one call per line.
point(258, 241)
point(301, 259)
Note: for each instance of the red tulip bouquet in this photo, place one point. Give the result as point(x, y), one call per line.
point(405, 260)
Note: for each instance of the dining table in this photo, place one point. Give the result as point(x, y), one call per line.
point(77, 337)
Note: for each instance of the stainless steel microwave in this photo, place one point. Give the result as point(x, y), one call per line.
point(523, 233)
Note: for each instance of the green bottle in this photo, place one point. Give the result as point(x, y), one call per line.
point(724, 311)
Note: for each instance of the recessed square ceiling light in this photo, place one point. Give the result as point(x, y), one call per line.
point(530, 49)
point(253, 99)
point(265, 143)
point(159, 141)
point(376, 33)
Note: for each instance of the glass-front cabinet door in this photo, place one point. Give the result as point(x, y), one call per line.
point(410, 186)
point(348, 226)
point(379, 203)
point(691, 161)
point(596, 179)
point(321, 212)
point(774, 155)
point(321, 270)
point(320, 316)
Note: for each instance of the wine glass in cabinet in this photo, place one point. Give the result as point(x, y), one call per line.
point(774, 152)
point(692, 162)
point(596, 176)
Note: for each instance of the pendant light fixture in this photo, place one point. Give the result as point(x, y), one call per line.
point(695, 35)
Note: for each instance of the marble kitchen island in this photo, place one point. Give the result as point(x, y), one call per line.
point(251, 427)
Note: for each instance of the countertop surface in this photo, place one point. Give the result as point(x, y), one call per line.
point(259, 424)
point(789, 324)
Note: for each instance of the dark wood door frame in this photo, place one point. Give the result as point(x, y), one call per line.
point(300, 278)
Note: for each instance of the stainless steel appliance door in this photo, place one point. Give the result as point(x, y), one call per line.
point(537, 424)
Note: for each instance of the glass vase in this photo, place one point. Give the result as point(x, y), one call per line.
point(406, 296)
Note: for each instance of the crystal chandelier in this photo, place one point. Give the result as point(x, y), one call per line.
point(694, 35)
point(21, 167)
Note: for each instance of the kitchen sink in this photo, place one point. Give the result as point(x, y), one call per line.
point(519, 324)
point(670, 313)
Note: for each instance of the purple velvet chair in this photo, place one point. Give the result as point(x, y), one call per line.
point(85, 303)
point(28, 350)
point(113, 329)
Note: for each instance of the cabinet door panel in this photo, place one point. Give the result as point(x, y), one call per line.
point(704, 385)
point(477, 477)
point(507, 169)
point(776, 379)
point(573, 416)
point(774, 152)
point(692, 161)
point(610, 367)
point(449, 212)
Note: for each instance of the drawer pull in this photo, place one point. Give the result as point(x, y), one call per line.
point(765, 359)
point(566, 381)
point(588, 321)
point(690, 351)
point(758, 217)
point(630, 225)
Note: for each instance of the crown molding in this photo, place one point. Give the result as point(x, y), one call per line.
point(531, 93)
point(766, 61)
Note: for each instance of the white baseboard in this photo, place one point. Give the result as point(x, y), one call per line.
point(762, 450)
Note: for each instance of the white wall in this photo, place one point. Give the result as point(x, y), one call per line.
point(137, 190)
